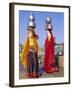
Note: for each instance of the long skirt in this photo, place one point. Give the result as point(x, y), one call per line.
point(33, 67)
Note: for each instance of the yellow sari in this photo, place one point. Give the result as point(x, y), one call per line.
point(24, 53)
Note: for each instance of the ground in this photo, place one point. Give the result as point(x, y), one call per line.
point(59, 61)
point(23, 74)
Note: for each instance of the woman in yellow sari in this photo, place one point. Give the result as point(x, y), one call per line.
point(29, 55)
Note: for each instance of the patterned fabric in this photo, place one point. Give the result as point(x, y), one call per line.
point(24, 53)
point(32, 64)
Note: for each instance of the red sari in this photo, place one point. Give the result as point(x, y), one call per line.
point(49, 61)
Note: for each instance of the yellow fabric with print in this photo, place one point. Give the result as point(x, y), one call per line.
point(24, 53)
point(31, 42)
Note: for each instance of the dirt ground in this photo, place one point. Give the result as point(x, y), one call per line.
point(23, 74)
point(60, 64)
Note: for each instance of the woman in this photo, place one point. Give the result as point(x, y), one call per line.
point(29, 55)
point(49, 62)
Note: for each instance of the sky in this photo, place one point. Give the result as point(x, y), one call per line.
point(40, 19)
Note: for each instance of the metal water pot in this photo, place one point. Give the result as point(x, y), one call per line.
point(31, 22)
point(48, 20)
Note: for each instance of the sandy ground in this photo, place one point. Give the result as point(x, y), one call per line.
point(23, 74)
point(60, 60)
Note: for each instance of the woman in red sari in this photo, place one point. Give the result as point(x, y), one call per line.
point(49, 61)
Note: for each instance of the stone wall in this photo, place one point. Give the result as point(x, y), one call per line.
point(60, 61)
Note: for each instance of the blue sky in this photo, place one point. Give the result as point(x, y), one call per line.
point(40, 17)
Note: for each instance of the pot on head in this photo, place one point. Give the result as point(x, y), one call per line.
point(31, 22)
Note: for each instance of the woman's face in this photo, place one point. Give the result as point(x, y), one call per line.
point(30, 34)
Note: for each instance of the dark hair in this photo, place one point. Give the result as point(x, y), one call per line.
point(31, 28)
point(48, 29)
